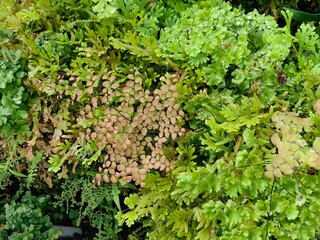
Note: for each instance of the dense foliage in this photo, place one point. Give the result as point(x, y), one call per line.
point(26, 219)
point(159, 119)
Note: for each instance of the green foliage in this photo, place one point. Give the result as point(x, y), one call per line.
point(244, 121)
point(98, 205)
point(301, 73)
point(164, 213)
point(227, 125)
point(67, 39)
point(230, 49)
point(213, 110)
point(19, 162)
point(13, 109)
point(9, 160)
point(25, 219)
point(230, 199)
point(103, 9)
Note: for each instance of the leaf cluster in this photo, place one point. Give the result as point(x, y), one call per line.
point(25, 219)
point(120, 122)
point(292, 148)
point(225, 102)
point(99, 206)
point(253, 120)
point(13, 95)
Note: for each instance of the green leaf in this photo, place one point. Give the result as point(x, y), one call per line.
point(129, 217)
point(214, 182)
point(232, 190)
point(234, 217)
point(18, 53)
point(303, 16)
point(292, 212)
point(116, 199)
point(248, 137)
point(55, 163)
point(3, 166)
point(103, 9)
point(316, 143)
point(16, 173)
point(132, 200)
point(95, 157)
point(73, 213)
point(23, 114)
point(242, 158)
point(20, 74)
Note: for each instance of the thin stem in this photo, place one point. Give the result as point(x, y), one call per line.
point(270, 207)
